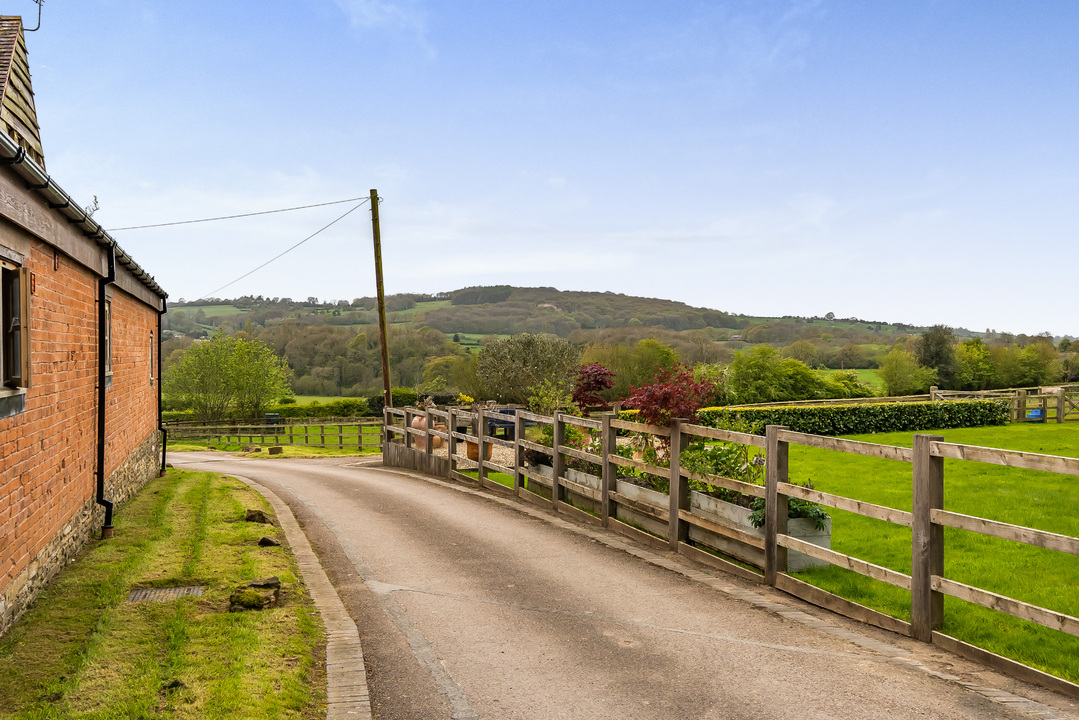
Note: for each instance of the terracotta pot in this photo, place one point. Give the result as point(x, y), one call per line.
point(472, 451)
point(420, 423)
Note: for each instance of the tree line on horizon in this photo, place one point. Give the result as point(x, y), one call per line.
point(325, 356)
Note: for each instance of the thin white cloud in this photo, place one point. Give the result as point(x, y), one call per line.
point(400, 15)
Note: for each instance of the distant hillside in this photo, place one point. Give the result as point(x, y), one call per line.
point(505, 309)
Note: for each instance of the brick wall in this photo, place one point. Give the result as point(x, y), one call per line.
point(48, 455)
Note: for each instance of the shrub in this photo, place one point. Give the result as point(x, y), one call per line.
point(864, 418)
point(674, 394)
point(592, 379)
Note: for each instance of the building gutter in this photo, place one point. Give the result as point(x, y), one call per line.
point(102, 357)
point(54, 196)
point(160, 386)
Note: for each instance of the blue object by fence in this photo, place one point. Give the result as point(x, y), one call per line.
point(1035, 416)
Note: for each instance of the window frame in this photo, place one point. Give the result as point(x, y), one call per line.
point(107, 330)
point(14, 327)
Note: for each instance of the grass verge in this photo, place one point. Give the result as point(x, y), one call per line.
point(84, 652)
point(1046, 501)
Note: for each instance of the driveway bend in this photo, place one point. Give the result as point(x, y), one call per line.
point(475, 607)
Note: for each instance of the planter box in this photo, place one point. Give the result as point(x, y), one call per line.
point(736, 516)
point(648, 497)
point(581, 478)
point(709, 508)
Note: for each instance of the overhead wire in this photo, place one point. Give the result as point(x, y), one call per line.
point(287, 251)
point(232, 217)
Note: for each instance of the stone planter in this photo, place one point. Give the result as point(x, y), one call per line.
point(725, 513)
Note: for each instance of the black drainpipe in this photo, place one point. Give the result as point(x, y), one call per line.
point(160, 382)
point(102, 349)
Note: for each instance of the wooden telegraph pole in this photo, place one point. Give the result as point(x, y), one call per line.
point(387, 397)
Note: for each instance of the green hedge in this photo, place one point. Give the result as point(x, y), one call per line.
point(342, 407)
point(863, 418)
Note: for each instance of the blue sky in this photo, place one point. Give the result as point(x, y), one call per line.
point(913, 162)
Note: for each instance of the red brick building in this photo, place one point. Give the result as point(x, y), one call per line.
point(79, 333)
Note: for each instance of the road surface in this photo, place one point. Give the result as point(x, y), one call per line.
point(475, 607)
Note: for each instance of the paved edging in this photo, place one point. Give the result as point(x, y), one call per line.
point(346, 677)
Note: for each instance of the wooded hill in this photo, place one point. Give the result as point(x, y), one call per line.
point(332, 348)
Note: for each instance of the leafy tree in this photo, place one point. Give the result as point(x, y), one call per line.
point(511, 367)
point(845, 384)
point(223, 375)
point(803, 351)
point(1039, 364)
point(974, 366)
point(632, 365)
point(935, 349)
point(902, 375)
point(761, 375)
point(259, 377)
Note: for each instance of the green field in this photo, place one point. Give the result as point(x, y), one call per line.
point(1041, 500)
point(320, 399)
point(402, 316)
point(210, 310)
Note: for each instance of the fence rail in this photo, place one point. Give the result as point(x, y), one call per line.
point(319, 434)
point(705, 529)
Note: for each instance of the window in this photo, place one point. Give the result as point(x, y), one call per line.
point(14, 325)
point(151, 356)
point(107, 330)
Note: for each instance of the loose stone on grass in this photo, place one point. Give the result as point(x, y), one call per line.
point(256, 595)
point(267, 541)
point(258, 516)
point(276, 450)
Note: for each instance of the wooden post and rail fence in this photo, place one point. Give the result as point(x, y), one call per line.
point(694, 525)
point(337, 433)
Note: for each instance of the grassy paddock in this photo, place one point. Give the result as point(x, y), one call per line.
point(288, 451)
point(348, 441)
point(1041, 500)
point(320, 399)
point(83, 652)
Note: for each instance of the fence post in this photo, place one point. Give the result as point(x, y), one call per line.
point(518, 451)
point(776, 505)
point(481, 432)
point(1062, 408)
point(558, 462)
point(428, 440)
point(609, 479)
point(451, 444)
point(408, 426)
point(933, 393)
point(384, 432)
point(677, 529)
point(927, 553)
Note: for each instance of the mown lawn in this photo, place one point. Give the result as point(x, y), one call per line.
point(1041, 500)
point(83, 651)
